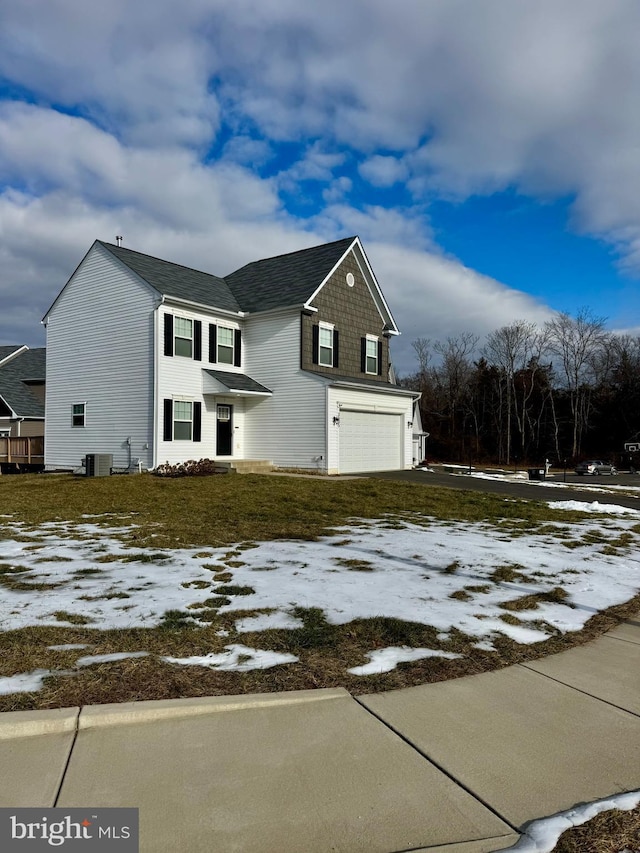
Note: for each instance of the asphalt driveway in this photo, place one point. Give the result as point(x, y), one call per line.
point(580, 488)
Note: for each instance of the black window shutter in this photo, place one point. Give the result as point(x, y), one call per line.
point(197, 340)
point(315, 344)
point(336, 348)
point(213, 343)
point(197, 421)
point(237, 347)
point(167, 434)
point(363, 355)
point(379, 358)
point(168, 334)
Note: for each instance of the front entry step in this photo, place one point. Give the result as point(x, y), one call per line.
point(246, 466)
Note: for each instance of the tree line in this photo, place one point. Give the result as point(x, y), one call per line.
point(563, 391)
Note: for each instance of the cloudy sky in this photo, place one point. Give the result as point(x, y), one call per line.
point(486, 152)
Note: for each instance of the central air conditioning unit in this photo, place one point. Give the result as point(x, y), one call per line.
point(98, 464)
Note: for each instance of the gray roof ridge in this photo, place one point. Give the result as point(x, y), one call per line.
point(154, 258)
point(346, 240)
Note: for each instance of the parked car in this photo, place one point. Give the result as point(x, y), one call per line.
point(595, 467)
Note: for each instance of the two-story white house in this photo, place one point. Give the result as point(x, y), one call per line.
point(285, 360)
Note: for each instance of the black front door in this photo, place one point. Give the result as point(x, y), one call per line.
point(224, 430)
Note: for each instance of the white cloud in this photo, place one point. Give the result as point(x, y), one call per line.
point(436, 297)
point(383, 171)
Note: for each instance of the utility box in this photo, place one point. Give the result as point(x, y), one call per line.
point(537, 474)
point(98, 464)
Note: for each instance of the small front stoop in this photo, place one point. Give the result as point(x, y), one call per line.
point(247, 466)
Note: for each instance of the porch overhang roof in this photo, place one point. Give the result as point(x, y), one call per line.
point(365, 385)
point(232, 384)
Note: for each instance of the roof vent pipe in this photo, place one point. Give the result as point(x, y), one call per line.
point(118, 240)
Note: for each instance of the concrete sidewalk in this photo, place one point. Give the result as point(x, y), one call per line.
point(458, 766)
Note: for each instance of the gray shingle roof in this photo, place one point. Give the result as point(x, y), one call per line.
point(237, 381)
point(175, 280)
point(13, 390)
point(259, 286)
point(6, 351)
point(286, 279)
point(371, 383)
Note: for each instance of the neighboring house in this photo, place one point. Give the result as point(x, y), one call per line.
point(22, 391)
point(285, 360)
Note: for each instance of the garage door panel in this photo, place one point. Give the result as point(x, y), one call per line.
point(370, 441)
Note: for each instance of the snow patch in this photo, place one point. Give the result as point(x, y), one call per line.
point(384, 660)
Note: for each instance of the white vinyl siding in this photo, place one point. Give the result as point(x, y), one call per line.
point(100, 351)
point(181, 379)
point(289, 427)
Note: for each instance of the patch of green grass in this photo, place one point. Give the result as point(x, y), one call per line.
point(354, 565)
point(73, 618)
point(509, 573)
point(510, 620)
point(557, 595)
point(53, 559)
point(19, 585)
point(106, 597)
point(484, 587)
point(230, 589)
point(10, 569)
point(460, 595)
point(175, 620)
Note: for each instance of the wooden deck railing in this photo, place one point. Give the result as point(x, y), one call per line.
point(28, 450)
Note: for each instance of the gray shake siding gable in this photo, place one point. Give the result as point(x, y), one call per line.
point(354, 314)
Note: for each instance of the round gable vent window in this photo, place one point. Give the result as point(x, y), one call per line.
point(350, 279)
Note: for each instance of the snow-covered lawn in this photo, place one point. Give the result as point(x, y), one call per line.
point(483, 579)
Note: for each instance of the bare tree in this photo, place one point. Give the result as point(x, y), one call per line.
point(452, 376)
point(579, 343)
point(516, 349)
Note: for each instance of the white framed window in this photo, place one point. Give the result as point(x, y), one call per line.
point(183, 337)
point(78, 414)
point(371, 355)
point(325, 345)
point(225, 345)
point(182, 420)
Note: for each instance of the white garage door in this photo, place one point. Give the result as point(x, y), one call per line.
point(370, 441)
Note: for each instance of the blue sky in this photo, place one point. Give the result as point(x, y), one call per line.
point(487, 153)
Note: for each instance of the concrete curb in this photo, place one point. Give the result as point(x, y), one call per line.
point(128, 713)
point(18, 724)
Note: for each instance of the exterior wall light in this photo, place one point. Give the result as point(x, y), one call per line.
point(336, 420)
